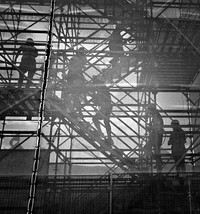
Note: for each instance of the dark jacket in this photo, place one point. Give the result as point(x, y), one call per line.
point(177, 141)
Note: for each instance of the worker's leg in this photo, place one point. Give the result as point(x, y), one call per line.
point(31, 73)
point(96, 120)
point(22, 72)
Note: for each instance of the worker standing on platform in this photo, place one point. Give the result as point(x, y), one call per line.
point(76, 81)
point(177, 141)
point(116, 44)
point(156, 131)
point(76, 68)
point(28, 62)
point(102, 99)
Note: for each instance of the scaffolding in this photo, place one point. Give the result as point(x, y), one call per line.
point(40, 132)
point(160, 59)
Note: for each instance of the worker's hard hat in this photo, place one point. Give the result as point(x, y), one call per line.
point(30, 41)
point(175, 122)
point(81, 50)
point(151, 106)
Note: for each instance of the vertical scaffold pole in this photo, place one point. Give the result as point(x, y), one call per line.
point(110, 192)
point(32, 192)
point(189, 195)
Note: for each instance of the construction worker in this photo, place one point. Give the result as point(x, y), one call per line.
point(116, 44)
point(156, 131)
point(76, 81)
point(102, 99)
point(177, 141)
point(76, 68)
point(28, 62)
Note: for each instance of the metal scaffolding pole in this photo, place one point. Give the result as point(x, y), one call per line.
point(32, 191)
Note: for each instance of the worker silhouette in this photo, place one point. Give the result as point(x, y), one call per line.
point(155, 129)
point(177, 141)
point(118, 61)
point(102, 100)
point(74, 92)
point(116, 44)
point(28, 62)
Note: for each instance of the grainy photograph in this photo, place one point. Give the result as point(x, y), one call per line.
point(100, 106)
